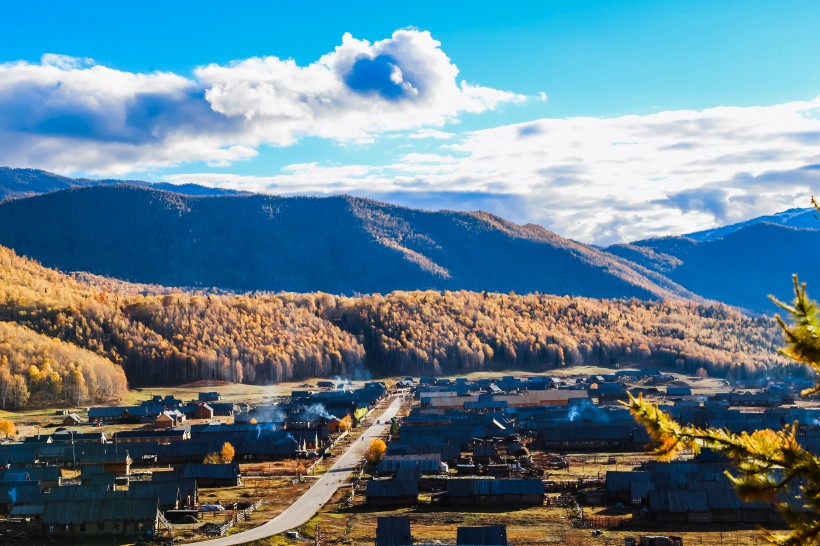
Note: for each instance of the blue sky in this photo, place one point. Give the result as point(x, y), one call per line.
point(661, 117)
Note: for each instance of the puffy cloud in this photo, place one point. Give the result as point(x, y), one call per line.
point(358, 90)
point(605, 180)
point(70, 114)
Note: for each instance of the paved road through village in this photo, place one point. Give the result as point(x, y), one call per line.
point(314, 498)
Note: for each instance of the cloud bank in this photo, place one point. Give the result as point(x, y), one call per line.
point(599, 180)
point(69, 114)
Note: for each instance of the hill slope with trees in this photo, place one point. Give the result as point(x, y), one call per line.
point(165, 337)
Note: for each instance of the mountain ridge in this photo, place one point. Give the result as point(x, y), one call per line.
point(796, 217)
point(342, 244)
point(741, 268)
point(22, 183)
point(337, 244)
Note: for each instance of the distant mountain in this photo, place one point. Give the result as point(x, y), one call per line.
point(796, 218)
point(341, 245)
point(17, 183)
point(741, 268)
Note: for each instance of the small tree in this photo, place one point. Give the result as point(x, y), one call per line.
point(7, 427)
point(212, 458)
point(227, 453)
point(345, 424)
point(375, 451)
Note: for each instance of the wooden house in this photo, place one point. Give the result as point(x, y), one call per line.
point(114, 462)
point(392, 492)
point(106, 414)
point(493, 492)
point(203, 411)
point(72, 420)
point(101, 516)
point(163, 436)
point(393, 531)
point(212, 396)
point(167, 419)
point(213, 475)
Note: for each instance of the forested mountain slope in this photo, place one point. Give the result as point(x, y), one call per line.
point(740, 269)
point(341, 245)
point(467, 331)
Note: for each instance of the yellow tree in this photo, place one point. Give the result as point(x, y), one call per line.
point(227, 453)
point(375, 451)
point(7, 428)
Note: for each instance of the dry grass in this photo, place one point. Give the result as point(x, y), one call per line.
point(525, 527)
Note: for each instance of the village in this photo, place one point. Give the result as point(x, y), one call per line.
point(513, 458)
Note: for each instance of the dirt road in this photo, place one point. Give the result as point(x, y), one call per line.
point(314, 498)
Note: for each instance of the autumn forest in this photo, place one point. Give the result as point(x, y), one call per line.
point(75, 339)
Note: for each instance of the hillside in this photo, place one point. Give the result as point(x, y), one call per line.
point(19, 183)
point(39, 369)
point(173, 339)
point(740, 269)
point(341, 245)
point(167, 337)
point(462, 332)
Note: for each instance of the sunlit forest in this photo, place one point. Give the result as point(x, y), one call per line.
point(68, 339)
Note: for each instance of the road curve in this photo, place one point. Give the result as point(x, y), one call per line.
point(320, 492)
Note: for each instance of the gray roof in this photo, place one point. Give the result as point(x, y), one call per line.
point(73, 492)
point(483, 486)
point(226, 471)
point(19, 493)
point(678, 500)
point(26, 510)
point(424, 462)
point(392, 488)
point(98, 510)
point(491, 535)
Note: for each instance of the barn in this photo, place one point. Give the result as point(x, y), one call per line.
point(100, 516)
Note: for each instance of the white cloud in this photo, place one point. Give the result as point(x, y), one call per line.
point(585, 174)
point(69, 114)
point(358, 90)
point(605, 180)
